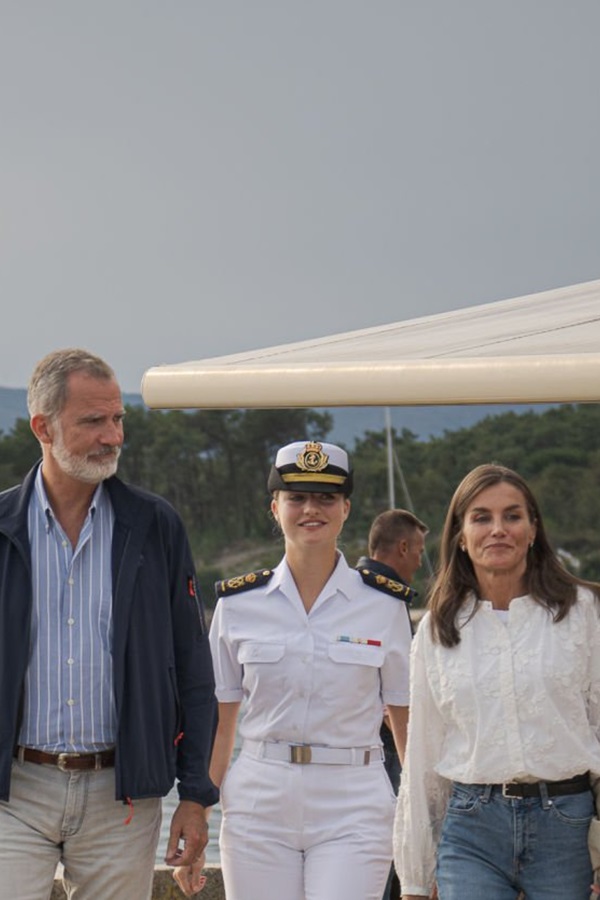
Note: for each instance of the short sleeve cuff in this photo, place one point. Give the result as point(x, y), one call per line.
point(229, 695)
point(396, 698)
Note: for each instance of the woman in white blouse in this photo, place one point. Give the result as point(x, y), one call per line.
point(504, 729)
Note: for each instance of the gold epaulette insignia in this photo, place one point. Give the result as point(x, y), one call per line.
point(242, 582)
point(387, 585)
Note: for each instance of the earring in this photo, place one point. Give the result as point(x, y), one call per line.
point(463, 548)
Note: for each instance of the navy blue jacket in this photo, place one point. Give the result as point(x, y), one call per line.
point(164, 683)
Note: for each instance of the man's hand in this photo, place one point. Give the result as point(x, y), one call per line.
point(189, 826)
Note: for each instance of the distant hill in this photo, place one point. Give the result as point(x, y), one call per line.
point(13, 406)
point(350, 423)
point(423, 421)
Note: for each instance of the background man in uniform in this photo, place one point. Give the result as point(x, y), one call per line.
point(396, 545)
point(106, 680)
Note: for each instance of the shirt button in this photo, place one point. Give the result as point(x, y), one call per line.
point(70, 703)
point(70, 621)
point(64, 543)
point(70, 662)
point(71, 581)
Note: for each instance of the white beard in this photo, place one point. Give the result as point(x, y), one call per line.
point(92, 471)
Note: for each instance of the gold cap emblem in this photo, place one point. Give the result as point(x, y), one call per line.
point(312, 458)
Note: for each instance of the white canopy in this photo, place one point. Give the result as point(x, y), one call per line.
point(543, 348)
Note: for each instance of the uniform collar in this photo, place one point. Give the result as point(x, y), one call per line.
point(342, 578)
point(380, 568)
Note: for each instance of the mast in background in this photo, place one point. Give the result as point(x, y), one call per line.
point(393, 464)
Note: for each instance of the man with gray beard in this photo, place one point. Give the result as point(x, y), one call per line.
point(106, 681)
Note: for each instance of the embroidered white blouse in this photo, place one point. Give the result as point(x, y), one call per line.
point(516, 700)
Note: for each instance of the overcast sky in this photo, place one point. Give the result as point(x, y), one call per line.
point(187, 179)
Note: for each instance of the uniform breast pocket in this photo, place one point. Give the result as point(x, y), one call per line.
point(262, 662)
point(353, 667)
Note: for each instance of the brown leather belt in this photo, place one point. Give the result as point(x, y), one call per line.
point(67, 762)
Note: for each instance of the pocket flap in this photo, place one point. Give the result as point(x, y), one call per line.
point(356, 654)
point(260, 651)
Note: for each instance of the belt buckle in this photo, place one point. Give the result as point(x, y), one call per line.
point(506, 792)
point(300, 753)
point(63, 760)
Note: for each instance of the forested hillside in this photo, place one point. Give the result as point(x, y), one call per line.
point(213, 466)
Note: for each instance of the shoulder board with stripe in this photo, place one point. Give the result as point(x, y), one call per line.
point(387, 585)
point(241, 583)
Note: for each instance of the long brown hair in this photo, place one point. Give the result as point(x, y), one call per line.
point(546, 579)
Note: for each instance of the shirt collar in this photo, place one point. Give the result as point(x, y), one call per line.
point(342, 578)
point(44, 503)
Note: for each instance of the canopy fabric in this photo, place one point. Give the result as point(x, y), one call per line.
point(542, 348)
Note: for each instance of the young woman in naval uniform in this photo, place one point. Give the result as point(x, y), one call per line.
point(313, 649)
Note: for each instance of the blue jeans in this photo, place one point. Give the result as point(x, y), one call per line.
point(492, 847)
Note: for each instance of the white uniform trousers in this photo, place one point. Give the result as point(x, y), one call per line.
point(305, 832)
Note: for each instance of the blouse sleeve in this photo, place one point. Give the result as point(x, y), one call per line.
point(423, 794)
point(594, 670)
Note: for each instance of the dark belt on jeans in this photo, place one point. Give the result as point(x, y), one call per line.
point(67, 762)
point(521, 789)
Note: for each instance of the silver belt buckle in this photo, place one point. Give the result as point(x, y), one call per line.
point(301, 754)
point(507, 794)
point(63, 759)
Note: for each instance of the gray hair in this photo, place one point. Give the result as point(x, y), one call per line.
point(47, 391)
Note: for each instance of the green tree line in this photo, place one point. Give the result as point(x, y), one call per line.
point(213, 466)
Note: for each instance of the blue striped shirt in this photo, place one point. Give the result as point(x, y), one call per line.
point(69, 705)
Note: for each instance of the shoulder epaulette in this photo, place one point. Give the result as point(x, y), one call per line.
point(387, 585)
point(242, 582)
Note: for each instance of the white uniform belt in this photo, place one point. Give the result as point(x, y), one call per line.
point(309, 753)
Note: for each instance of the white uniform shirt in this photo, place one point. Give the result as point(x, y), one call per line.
point(307, 678)
point(514, 701)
